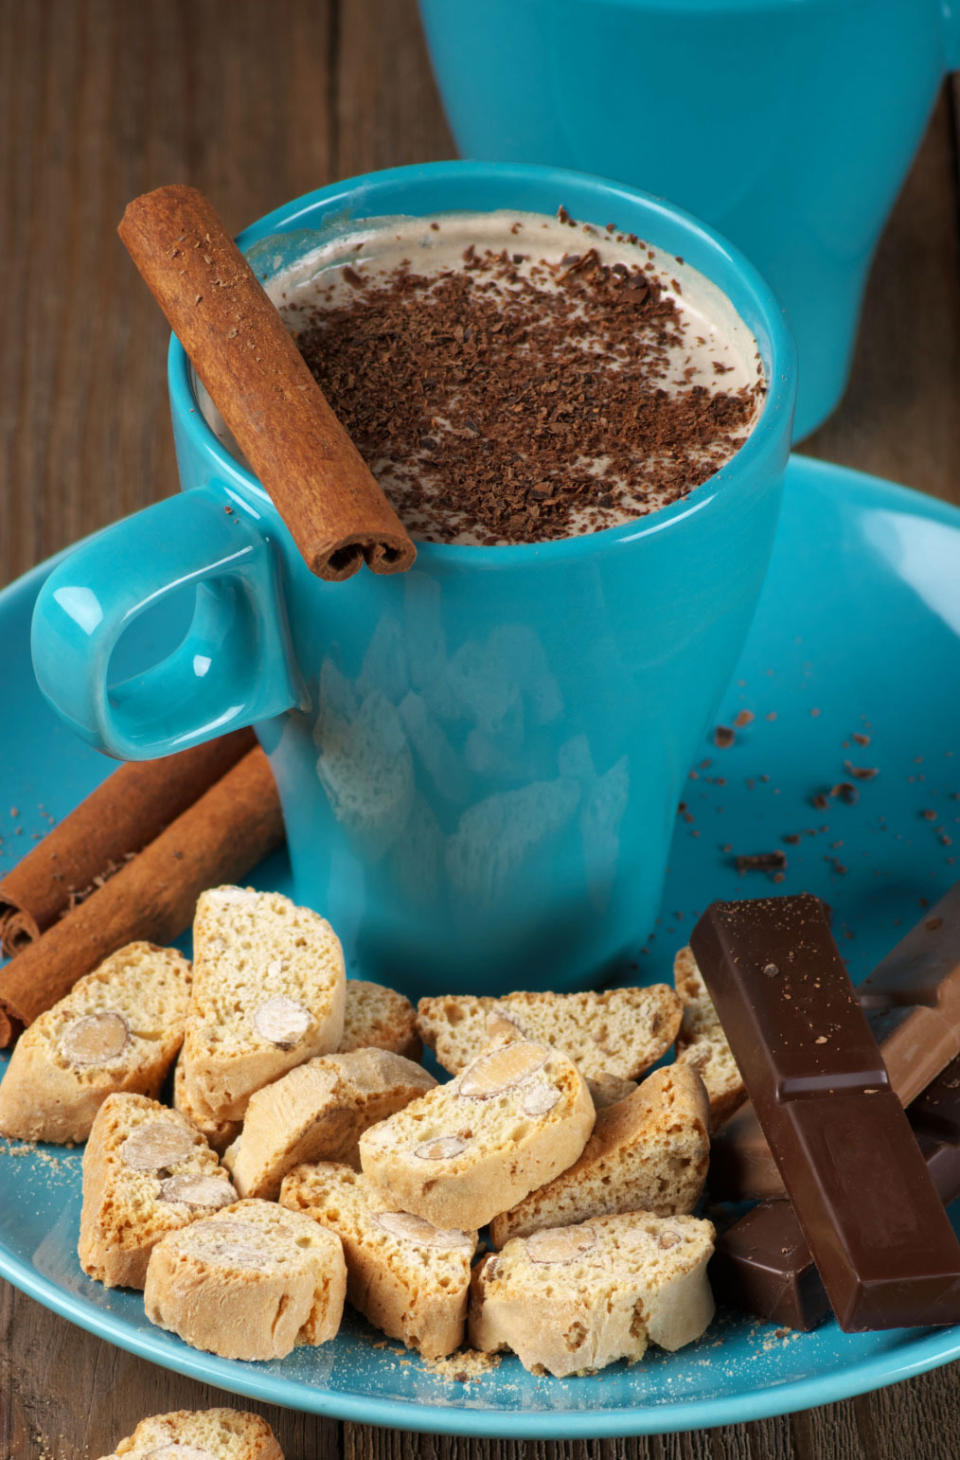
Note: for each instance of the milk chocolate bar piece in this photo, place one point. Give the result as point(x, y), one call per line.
point(935, 1120)
point(882, 1242)
point(763, 1264)
point(912, 1001)
point(741, 1163)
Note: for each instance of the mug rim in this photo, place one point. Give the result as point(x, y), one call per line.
point(765, 437)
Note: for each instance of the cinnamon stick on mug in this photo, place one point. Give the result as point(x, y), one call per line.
point(233, 826)
point(121, 816)
point(255, 375)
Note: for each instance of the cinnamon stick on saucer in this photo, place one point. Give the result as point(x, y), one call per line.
point(320, 484)
point(231, 827)
point(121, 816)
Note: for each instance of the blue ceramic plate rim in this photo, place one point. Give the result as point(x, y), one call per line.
point(931, 1350)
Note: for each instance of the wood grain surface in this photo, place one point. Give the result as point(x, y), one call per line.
point(256, 103)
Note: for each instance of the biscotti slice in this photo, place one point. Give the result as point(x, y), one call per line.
point(318, 1112)
point(119, 1028)
point(250, 1282)
point(147, 1171)
point(269, 992)
point(701, 1042)
point(409, 1278)
point(619, 1033)
point(514, 1118)
point(379, 1018)
point(574, 1299)
point(648, 1153)
point(200, 1434)
point(218, 1134)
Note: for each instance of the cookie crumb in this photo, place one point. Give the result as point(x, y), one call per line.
point(463, 1367)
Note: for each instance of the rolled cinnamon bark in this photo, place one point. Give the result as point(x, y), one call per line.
point(232, 826)
point(121, 816)
point(257, 378)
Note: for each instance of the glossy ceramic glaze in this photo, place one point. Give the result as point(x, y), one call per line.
point(479, 760)
point(858, 631)
point(788, 125)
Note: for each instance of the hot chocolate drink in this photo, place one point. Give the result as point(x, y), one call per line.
point(516, 378)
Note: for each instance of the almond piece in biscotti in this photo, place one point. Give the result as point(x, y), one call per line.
point(560, 1244)
point(281, 1021)
point(198, 1193)
point(502, 1068)
point(95, 1039)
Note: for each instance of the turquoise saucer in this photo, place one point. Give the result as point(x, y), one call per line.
point(850, 676)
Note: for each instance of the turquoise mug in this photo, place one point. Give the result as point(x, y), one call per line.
point(789, 125)
point(479, 760)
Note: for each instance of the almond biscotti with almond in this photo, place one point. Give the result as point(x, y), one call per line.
point(611, 1037)
point(514, 1118)
point(569, 1300)
point(318, 1112)
point(200, 1434)
point(269, 993)
point(119, 1028)
point(147, 1171)
point(649, 1152)
point(252, 1281)
point(409, 1278)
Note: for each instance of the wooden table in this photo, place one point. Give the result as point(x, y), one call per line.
point(256, 103)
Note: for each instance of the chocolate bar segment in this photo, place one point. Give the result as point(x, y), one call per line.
point(912, 1002)
point(912, 999)
point(763, 1264)
point(741, 1163)
point(935, 1120)
point(851, 1165)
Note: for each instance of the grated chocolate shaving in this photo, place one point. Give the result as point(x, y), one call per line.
point(514, 406)
point(775, 861)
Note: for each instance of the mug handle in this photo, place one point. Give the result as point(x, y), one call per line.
point(234, 666)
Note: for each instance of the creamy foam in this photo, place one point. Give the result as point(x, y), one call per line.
point(716, 349)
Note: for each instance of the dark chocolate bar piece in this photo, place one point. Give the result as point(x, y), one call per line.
point(763, 1264)
point(912, 1002)
point(882, 1242)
